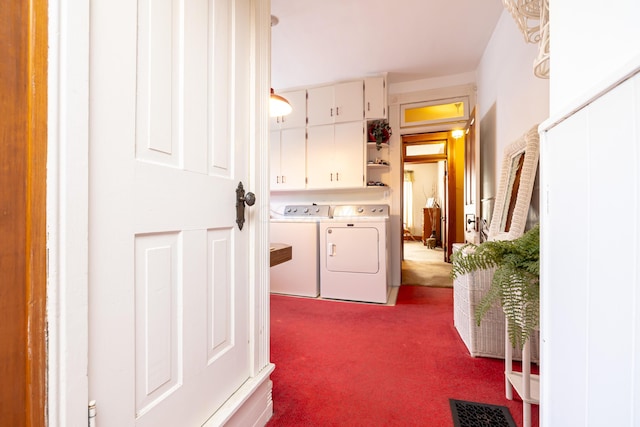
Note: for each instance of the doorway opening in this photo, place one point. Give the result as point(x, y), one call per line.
point(426, 208)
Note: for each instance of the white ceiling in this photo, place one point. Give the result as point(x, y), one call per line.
point(323, 41)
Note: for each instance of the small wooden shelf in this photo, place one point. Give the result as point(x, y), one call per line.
point(377, 165)
point(279, 253)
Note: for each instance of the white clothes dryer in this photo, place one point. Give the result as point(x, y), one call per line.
point(298, 227)
point(354, 254)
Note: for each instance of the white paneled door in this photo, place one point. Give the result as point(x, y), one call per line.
point(168, 266)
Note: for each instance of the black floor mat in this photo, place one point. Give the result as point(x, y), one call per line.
point(473, 414)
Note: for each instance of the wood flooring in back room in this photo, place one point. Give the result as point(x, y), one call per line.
point(424, 266)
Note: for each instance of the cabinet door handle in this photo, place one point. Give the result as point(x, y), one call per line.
point(331, 176)
point(331, 111)
point(337, 176)
point(337, 111)
point(284, 179)
point(368, 106)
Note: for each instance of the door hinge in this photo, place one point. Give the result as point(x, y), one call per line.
point(92, 413)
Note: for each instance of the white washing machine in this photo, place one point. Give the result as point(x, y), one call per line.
point(298, 227)
point(354, 253)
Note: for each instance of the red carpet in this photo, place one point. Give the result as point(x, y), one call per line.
point(349, 364)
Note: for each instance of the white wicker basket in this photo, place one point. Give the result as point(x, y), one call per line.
point(488, 339)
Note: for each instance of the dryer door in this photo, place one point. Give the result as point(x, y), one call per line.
point(352, 249)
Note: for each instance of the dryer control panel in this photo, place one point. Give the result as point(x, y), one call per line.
point(361, 211)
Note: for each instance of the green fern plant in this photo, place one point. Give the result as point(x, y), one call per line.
point(515, 284)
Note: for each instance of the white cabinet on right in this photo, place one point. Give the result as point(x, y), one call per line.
point(335, 156)
point(375, 98)
point(581, 278)
point(342, 102)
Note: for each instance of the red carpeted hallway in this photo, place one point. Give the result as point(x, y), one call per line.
point(351, 364)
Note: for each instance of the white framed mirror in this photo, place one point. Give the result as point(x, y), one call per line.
point(519, 166)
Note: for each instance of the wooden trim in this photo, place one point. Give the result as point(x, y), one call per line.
point(36, 274)
point(425, 159)
point(455, 227)
point(425, 139)
point(23, 106)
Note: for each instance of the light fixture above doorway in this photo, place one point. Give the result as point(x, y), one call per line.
point(457, 133)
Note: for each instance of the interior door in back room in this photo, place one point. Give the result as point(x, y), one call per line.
point(168, 297)
point(472, 218)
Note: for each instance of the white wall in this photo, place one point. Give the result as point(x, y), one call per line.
point(426, 183)
point(431, 83)
point(589, 39)
point(511, 99)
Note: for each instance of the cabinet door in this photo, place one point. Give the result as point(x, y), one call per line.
point(292, 159)
point(298, 116)
point(274, 157)
point(320, 109)
point(349, 101)
point(375, 99)
point(349, 154)
point(320, 148)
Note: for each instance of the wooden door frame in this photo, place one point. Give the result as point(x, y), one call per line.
point(23, 83)
point(472, 219)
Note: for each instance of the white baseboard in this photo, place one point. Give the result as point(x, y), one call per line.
point(251, 405)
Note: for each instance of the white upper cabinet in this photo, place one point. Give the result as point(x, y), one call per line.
point(298, 116)
point(288, 155)
point(349, 154)
point(335, 156)
point(349, 101)
point(375, 98)
point(320, 109)
point(342, 102)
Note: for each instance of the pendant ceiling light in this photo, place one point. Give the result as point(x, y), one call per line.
point(278, 106)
